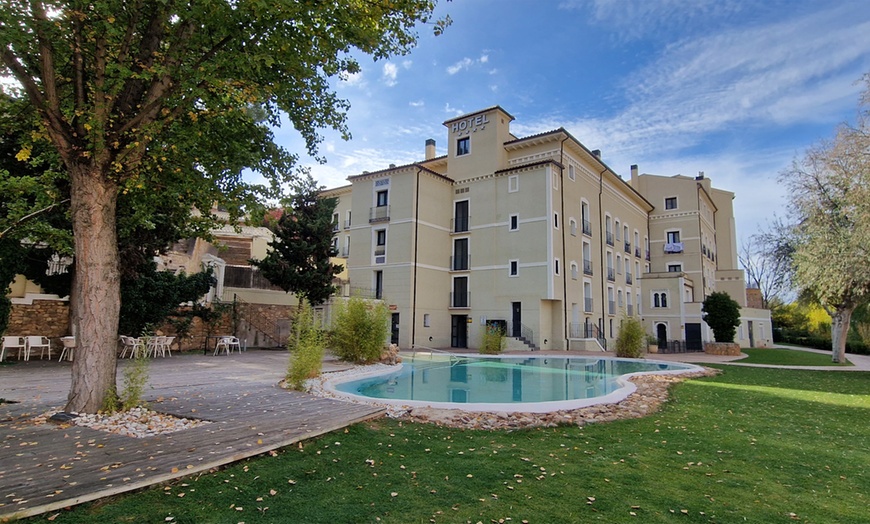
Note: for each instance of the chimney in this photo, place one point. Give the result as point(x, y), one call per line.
point(430, 148)
point(700, 176)
point(596, 153)
point(635, 178)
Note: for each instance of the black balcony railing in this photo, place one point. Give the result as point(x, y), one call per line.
point(587, 228)
point(637, 252)
point(587, 267)
point(628, 247)
point(628, 278)
point(459, 224)
point(460, 263)
point(611, 276)
point(647, 255)
point(609, 238)
point(460, 300)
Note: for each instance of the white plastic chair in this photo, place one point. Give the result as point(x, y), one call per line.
point(14, 343)
point(227, 344)
point(132, 344)
point(69, 345)
point(158, 344)
point(36, 341)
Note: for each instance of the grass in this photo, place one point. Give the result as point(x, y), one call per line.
point(751, 445)
point(788, 357)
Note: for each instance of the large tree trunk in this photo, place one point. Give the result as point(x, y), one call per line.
point(840, 321)
point(96, 290)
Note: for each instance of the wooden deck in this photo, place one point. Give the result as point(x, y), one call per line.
point(45, 467)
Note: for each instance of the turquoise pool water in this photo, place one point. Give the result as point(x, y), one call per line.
point(505, 383)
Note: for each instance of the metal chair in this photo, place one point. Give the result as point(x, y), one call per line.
point(36, 341)
point(14, 343)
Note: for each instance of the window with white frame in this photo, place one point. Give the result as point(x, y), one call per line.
point(571, 171)
point(671, 203)
point(660, 299)
point(513, 183)
point(514, 266)
point(463, 146)
point(514, 223)
point(574, 270)
point(556, 269)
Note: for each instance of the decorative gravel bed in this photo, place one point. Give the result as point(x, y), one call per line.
point(651, 393)
point(137, 422)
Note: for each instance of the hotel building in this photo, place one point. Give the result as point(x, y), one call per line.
point(536, 235)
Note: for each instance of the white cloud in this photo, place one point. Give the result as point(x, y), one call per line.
point(466, 64)
point(389, 74)
point(417, 103)
point(352, 79)
point(452, 110)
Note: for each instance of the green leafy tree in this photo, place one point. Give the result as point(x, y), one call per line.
point(151, 97)
point(722, 314)
point(359, 329)
point(299, 258)
point(829, 197)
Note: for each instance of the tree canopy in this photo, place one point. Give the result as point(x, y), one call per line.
point(722, 314)
point(829, 198)
point(299, 259)
point(171, 101)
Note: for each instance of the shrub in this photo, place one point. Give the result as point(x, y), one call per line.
point(722, 314)
point(493, 340)
point(135, 380)
point(359, 330)
point(631, 338)
point(305, 344)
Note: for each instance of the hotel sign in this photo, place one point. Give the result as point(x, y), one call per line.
point(472, 123)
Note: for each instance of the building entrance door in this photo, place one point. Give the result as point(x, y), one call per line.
point(751, 334)
point(459, 331)
point(662, 335)
point(693, 337)
point(516, 319)
point(394, 336)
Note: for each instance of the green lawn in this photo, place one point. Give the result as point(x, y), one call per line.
point(750, 445)
point(788, 357)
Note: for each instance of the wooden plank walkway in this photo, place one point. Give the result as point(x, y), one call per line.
point(45, 467)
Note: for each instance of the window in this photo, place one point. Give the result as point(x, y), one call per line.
point(618, 232)
point(660, 299)
point(513, 184)
point(574, 270)
point(379, 284)
point(347, 222)
point(587, 297)
point(673, 237)
point(463, 146)
point(514, 268)
point(335, 222)
point(556, 266)
point(460, 292)
point(515, 222)
point(425, 319)
point(573, 224)
point(460, 254)
point(556, 220)
point(571, 172)
point(382, 197)
point(460, 217)
point(675, 268)
point(334, 247)
point(381, 236)
point(671, 203)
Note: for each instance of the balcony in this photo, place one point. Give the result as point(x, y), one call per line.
point(380, 251)
point(587, 305)
point(459, 225)
point(637, 252)
point(628, 278)
point(460, 300)
point(647, 255)
point(347, 224)
point(460, 263)
point(345, 252)
point(628, 247)
point(609, 238)
point(587, 267)
point(674, 247)
point(335, 227)
point(379, 214)
point(587, 228)
point(611, 276)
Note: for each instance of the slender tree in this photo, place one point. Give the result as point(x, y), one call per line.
point(118, 84)
point(765, 268)
point(829, 191)
point(299, 259)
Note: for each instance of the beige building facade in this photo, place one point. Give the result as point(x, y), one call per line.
point(535, 235)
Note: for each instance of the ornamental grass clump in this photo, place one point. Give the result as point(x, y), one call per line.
point(631, 339)
point(359, 330)
point(493, 340)
point(306, 345)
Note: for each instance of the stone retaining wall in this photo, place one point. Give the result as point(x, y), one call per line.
point(722, 348)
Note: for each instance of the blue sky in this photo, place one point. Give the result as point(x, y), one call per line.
point(734, 88)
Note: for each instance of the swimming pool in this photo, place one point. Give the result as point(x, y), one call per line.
point(504, 383)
